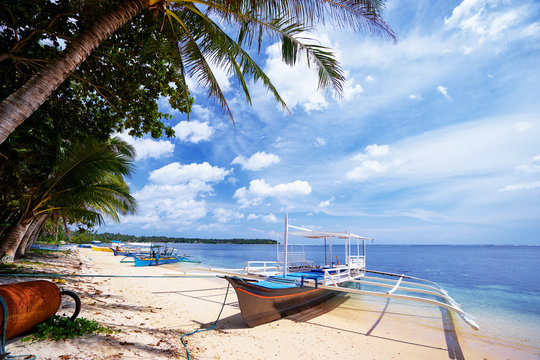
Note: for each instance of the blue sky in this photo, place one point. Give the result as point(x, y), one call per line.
point(435, 141)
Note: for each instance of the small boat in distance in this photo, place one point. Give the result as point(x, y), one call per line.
point(268, 291)
point(159, 255)
point(101, 248)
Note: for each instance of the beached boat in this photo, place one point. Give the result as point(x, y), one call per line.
point(55, 247)
point(101, 248)
point(130, 250)
point(161, 255)
point(268, 291)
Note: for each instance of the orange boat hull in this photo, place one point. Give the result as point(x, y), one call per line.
point(29, 304)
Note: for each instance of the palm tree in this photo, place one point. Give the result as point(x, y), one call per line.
point(86, 183)
point(198, 39)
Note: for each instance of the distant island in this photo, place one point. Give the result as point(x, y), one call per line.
point(108, 237)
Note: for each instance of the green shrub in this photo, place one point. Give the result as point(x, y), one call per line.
point(61, 328)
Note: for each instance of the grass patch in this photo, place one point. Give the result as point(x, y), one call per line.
point(11, 268)
point(62, 328)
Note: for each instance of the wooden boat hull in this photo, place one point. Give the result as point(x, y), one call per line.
point(152, 261)
point(128, 252)
point(260, 305)
point(101, 248)
point(29, 304)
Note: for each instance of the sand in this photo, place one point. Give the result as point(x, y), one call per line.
point(152, 314)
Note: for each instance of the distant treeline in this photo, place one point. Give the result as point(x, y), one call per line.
point(108, 237)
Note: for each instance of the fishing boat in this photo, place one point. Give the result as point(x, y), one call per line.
point(55, 247)
point(159, 255)
point(130, 250)
point(101, 248)
point(268, 290)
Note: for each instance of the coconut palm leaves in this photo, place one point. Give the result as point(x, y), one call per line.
point(86, 183)
point(200, 41)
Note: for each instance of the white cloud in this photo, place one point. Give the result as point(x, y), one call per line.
point(489, 19)
point(172, 198)
point(370, 78)
point(259, 190)
point(522, 187)
point(319, 142)
point(168, 206)
point(202, 112)
point(225, 216)
point(176, 173)
point(532, 167)
point(257, 161)
point(270, 218)
point(523, 126)
point(193, 131)
point(148, 148)
point(366, 170)
point(474, 150)
point(372, 151)
point(444, 91)
point(377, 150)
point(488, 146)
point(415, 97)
point(369, 167)
point(350, 89)
point(297, 85)
point(326, 203)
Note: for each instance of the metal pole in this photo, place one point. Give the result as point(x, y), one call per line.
point(325, 260)
point(331, 258)
point(364, 251)
point(285, 239)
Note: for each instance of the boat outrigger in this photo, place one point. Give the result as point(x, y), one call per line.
point(268, 291)
point(159, 256)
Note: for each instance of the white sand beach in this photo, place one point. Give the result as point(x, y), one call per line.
point(152, 314)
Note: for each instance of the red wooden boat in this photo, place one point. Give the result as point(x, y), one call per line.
point(269, 290)
point(265, 301)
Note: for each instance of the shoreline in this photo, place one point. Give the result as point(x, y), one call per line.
point(153, 313)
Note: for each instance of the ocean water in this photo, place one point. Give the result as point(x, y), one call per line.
point(499, 285)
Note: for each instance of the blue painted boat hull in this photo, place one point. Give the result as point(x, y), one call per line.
point(153, 261)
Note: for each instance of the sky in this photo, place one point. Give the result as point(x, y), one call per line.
point(436, 139)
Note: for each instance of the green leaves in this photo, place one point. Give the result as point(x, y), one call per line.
point(61, 328)
point(203, 41)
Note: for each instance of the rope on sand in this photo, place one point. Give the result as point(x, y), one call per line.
point(104, 276)
point(210, 328)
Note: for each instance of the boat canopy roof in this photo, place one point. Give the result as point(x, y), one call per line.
point(318, 234)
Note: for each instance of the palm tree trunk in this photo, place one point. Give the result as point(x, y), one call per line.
point(13, 238)
point(31, 234)
point(22, 103)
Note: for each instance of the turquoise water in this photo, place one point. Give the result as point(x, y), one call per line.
point(500, 285)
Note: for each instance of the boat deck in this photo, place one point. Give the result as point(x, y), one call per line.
point(291, 280)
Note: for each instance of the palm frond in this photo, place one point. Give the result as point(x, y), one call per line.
point(220, 48)
point(197, 64)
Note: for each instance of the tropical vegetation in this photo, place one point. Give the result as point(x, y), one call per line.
point(197, 34)
point(74, 73)
point(108, 237)
point(85, 182)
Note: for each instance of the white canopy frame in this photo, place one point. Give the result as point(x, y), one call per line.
point(318, 234)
